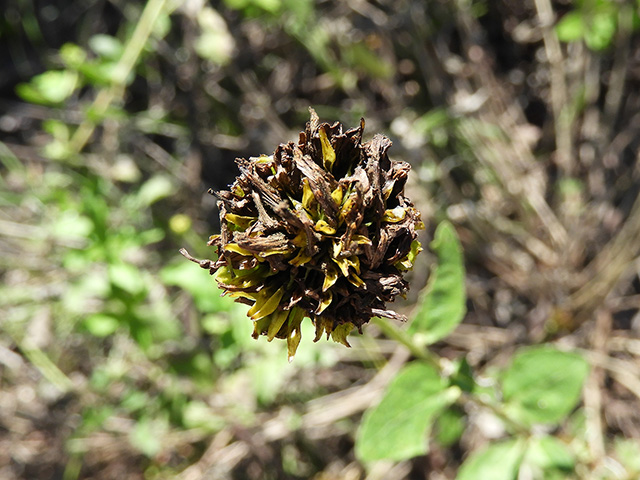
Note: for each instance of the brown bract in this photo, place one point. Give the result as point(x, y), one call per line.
point(320, 229)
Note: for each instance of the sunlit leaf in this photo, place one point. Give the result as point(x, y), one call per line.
point(49, 88)
point(571, 27)
point(443, 307)
point(450, 425)
point(127, 277)
point(398, 427)
point(101, 325)
point(328, 154)
point(154, 189)
point(147, 435)
point(106, 46)
point(500, 461)
point(548, 453)
point(543, 384)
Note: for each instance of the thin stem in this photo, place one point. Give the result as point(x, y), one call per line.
point(562, 117)
point(394, 333)
point(514, 425)
point(125, 65)
point(401, 336)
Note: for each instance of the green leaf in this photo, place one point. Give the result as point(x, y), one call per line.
point(106, 46)
point(101, 325)
point(449, 427)
point(360, 57)
point(71, 225)
point(548, 453)
point(198, 283)
point(571, 27)
point(443, 307)
point(602, 29)
point(154, 189)
point(49, 88)
point(462, 375)
point(197, 414)
point(147, 435)
point(72, 55)
point(214, 43)
point(397, 428)
point(127, 277)
point(500, 461)
point(543, 384)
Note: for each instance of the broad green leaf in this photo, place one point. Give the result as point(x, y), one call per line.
point(548, 453)
point(198, 283)
point(127, 277)
point(543, 384)
point(154, 189)
point(101, 325)
point(49, 88)
point(72, 55)
point(397, 428)
point(147, 435)
point(571, 27)
point(443, 307)
point(197, 414)
point(601, 30)
point(449, 427)
point(71, 225)
point(106, 46)
point(214, 43)
point(500, 461)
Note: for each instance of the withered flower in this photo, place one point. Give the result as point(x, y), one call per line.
point(320, 229)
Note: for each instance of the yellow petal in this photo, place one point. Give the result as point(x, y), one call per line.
point(224, 275)
point(266, 304)
point(237, 190)
point(240, 221)
point(330, 277)
point(234, 247)
point(300, 240)
point(307, 196)
point(300, 259)
point(293, 332)
point(336, 248)
point(323, 227)
point(360, 239)
point(336, 195)
point(355, 280)
point(328, 154)
point(260, 327)
point(339, 334)
point(406, 263)
point(354, 261)
point(323, 324)
point(275, 251)
point(394, 215)
point(277, 320)
point(343, 264)
point(238, 294)
point(324, 303)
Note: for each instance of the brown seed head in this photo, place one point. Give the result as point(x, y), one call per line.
point(320, 229)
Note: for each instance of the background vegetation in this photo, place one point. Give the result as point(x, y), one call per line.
point(521, 120)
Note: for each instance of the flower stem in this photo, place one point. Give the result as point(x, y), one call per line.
point(394, 333)
point(401, 336)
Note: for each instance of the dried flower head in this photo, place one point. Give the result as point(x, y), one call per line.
point(320, 229)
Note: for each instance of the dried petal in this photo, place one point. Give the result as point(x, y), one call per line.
point(320, 229)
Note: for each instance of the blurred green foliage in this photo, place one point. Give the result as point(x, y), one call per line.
point(98, 301)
